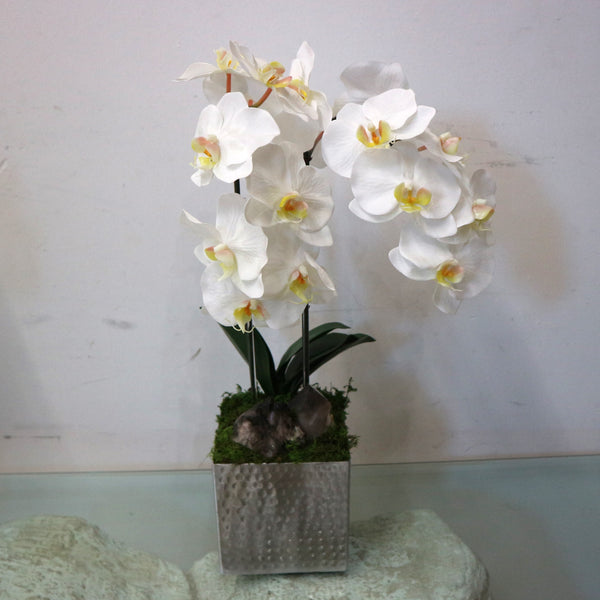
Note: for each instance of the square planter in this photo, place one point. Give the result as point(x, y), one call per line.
point(282, 517)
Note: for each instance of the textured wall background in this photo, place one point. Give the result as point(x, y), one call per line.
point(105, 361)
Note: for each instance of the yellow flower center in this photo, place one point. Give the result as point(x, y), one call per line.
point(410, 201)
point(243, 314)
point(300, 284)
point(225, 60)
point(300, 88)
point(271, 75)
point(372, 136)
point(224, 256)
point(292, 209)
point(207, 151)
point(482, 211)
point(449, 273)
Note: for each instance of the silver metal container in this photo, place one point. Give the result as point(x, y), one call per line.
point(282, 517)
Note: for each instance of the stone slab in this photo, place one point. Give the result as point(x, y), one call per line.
point(67, 558)
point(407, 556)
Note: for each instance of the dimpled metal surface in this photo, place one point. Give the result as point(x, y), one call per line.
point(282, 518)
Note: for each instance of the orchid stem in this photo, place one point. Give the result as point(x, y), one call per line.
point(261, 99)
point(305, 347)
point(249, 331)
point(251, 363)
point(228, 84)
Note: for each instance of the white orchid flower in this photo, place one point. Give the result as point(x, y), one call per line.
point(225, 76)
point(229, 306)
point(270, 74)
point(283, 189)
point(298, 98)
point(403, 180)
point(379, 122)
point(460, 271)
point(444, 146)
point(369, 78)
point(292, 273)
point(226, 303)
point(225, 63)
point(236, 246)
point(475, 209)
point(226, 136)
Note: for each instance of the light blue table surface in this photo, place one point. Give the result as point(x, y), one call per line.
point(535, 523)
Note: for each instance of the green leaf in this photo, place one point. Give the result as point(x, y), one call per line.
point(322, 350)
point(264, 364)
point(263, 359)
point(313, 334)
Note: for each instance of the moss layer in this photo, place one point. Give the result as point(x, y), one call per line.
point(334, 445)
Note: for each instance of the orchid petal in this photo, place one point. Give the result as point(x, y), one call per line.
point(320, 238)
point(416, 124)
point(445, 299)
point(195, 70)
point(375, 175)
point(409, 269)
point(355, 208)
point(439, 180)
point(422, 251)
point(393, 106)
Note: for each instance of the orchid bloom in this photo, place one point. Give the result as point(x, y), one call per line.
point(229, 306)
point(298, 98)
point(236, 246)
point(292, 273)
point(283, 189)
point(378, 123)
point(475, 209)
point(443, 146)
point(402, 180)
point(226, 136)
point(225, 76)
point(226, 303)
point(225, 63)
point(460, 271)
point(271, 74)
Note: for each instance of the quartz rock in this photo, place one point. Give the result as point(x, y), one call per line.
point(408, 556)
point(312, 410)
point(66, 558)
point(266, 427)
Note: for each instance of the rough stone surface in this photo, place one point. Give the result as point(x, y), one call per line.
point(66, 558)
point(408, 556)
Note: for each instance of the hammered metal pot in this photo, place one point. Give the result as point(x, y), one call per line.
point(282, 517)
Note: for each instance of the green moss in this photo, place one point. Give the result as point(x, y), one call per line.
point(334, 445)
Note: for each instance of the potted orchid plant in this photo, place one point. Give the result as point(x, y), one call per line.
point(269, 129)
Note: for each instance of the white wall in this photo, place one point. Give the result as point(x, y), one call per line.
point(106, 362)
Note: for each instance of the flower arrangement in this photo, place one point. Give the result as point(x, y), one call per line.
point(272, 130)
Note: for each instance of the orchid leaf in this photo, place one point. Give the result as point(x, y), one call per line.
point(314, 333)
point(264, 364)
point(322, 350)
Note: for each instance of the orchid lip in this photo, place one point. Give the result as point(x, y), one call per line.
point(291, 209)
point(412, 202)
point(247, 312)
point(372, 136)
point(449, 273)
point(207, 151)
